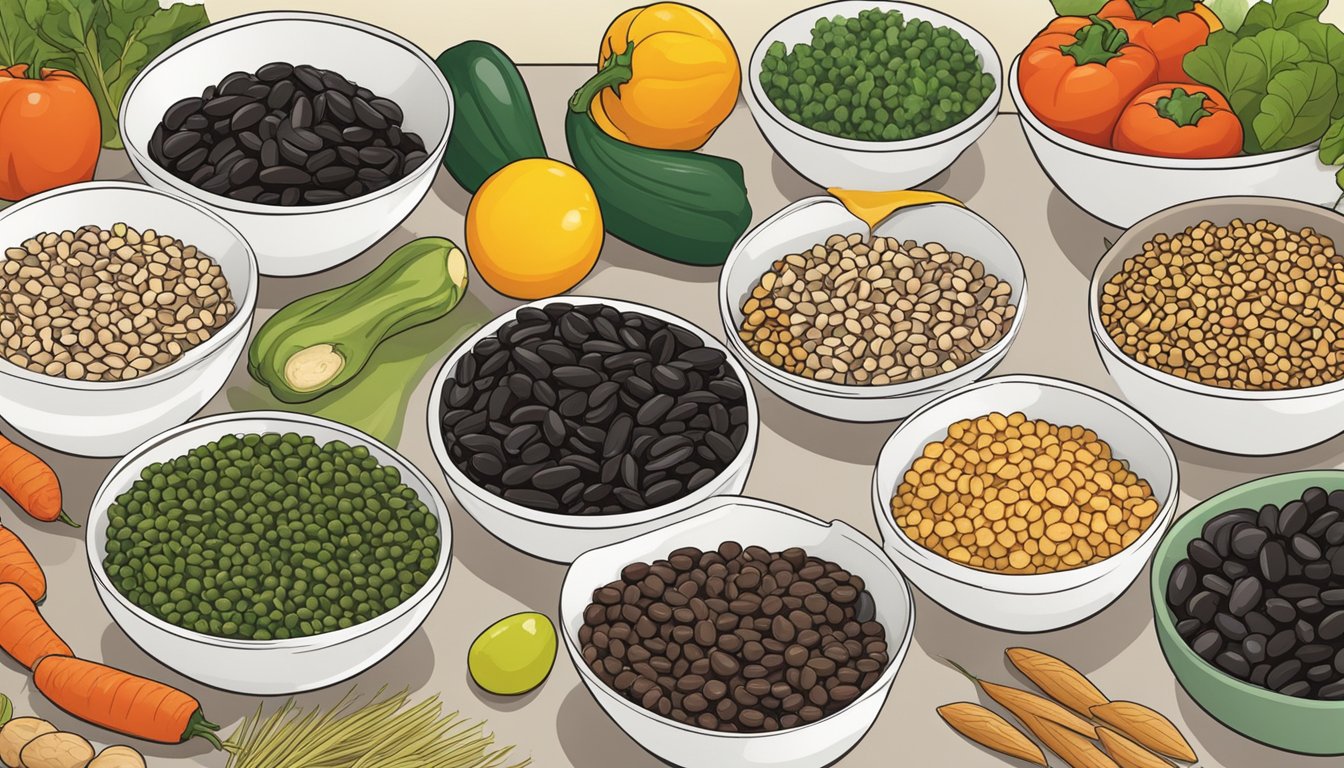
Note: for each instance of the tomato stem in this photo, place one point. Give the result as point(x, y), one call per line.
point(1097, 43)
point(1156, 10)
point(615, 73)
point(1183, 108)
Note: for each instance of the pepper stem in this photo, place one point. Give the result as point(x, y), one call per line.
point(1097, 43)
point(615, 73)
point(1183, 108)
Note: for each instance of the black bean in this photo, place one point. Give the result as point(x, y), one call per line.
point(1203, 554)
point(1314, 653)
point(1207, 644)
point(1247, 540)
point(532, 499)
point(178, 144)
point(367, 115)
point(1281, 644)
point(1230, 626)
point(555, 477)
point(1298, 688)
point(1268, 518)
point(246, 194)
point(191, 160)
point(290, 196)
point(1253, 648)
point(1234, 664)
point(1293, 519)
point(1215, 583)
point(286, 175)
point(243, 171)
point(274, 72)
point(1203, 605)
point(1283, 673)
point(180, 111)
point(1305, 547)
point(1331, 627)
point(389, 109)
point(1246, 594)
point(1273, 562)
point(291, 153)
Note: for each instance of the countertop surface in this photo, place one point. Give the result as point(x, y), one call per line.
point(821, 467)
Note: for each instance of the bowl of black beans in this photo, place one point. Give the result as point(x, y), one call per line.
point(312, 134)
point(1248, 590)
point(750, 632)
point(570, 423)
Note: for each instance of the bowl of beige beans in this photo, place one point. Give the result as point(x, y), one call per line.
point(1220, 320)
point(122, 312)
point(868, 323)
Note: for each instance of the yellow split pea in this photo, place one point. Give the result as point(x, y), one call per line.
point(1013, 495)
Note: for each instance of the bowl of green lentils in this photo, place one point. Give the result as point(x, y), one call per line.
point(268, 553)
point(872, 95)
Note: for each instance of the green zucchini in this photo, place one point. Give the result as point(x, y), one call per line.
point(493, 120)
point(683, 206)
point(319, 342)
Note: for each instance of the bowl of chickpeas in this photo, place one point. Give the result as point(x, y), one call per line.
point(1219, 320)
point(1024, 503)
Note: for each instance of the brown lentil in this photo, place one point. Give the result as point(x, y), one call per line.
point(107, 304)
point(885, 312)
point(736, 639)
point(1020, 496)
point(1251, 306)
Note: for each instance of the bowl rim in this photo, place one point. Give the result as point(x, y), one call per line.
point(459, 482)
point(244, 306)
point(1260, 207)
point(986, 359)
point(1195, 518)
point(1039, 584)
point(147, 166)
point(302, 424)
point(990, 61)
point(895, 652)
point(1029, 119)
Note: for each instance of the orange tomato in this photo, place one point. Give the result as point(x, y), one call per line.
point(1078, 74)
point(1169, 37)
point(49, 131)
point(1179, 120)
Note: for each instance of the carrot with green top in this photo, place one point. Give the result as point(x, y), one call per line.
point(122, 702)
point(19, 567)
point(32, 483)
point(24, 634)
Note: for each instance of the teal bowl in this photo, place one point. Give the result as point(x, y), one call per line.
point(1284, 722)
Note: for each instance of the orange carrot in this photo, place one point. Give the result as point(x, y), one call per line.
point(31, 483)
point(17, 566)
point(122, 702)
point(24, 634)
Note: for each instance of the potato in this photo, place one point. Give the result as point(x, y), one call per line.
point(17, 733)
point(57, 750)
point(118, 757)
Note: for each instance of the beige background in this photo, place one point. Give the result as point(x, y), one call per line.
point(555, 31)
point(822, 467)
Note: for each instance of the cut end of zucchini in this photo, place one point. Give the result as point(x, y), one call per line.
point(313, 367)
point(457, 267)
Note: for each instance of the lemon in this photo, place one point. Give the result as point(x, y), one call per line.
point(513, 655)
point(534, 229)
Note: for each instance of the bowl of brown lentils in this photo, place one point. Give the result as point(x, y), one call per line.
point(122, 312)
point(868, 324)
point(1218, 319)
point(1024, 503)
point(750, 632)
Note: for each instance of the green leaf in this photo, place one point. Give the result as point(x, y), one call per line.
point(1332, 144)
point(1297, 106)
point(1326, 45)
point(1077, 7)
point(134, 39)
point(1240, 68)
point(1153, 10)
point(1230, 12)
point(1280, 14)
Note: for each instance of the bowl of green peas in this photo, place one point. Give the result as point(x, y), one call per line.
point(268, 553)
point(872, 95)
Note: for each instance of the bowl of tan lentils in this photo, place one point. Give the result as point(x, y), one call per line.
point(122, 311)
point(1220, 321)
point(869, 324)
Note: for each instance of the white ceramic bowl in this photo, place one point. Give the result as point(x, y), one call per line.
point(807, 222)
point(1249, 423)
point(749, 522)
point(831, 161)
point(264, 667)
point(1034, 602)
point(558, 537)
point(1122, 187)
point(297, 240)
point(89, 418)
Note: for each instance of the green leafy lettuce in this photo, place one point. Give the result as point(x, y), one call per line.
point(105, 43)
point(1281, 71)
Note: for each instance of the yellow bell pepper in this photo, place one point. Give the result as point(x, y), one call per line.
point(667, 77)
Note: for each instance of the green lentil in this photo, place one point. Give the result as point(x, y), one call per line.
point(877, 77)
point(269, 537)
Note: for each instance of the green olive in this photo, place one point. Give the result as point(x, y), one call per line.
point(513, 655)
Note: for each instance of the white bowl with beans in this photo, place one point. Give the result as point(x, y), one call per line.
point(301, 239)
point(750, 522)
point(1037, 602)
point(562, 537)
point(108, 418)
point(1238, 421)
point(800, 226)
